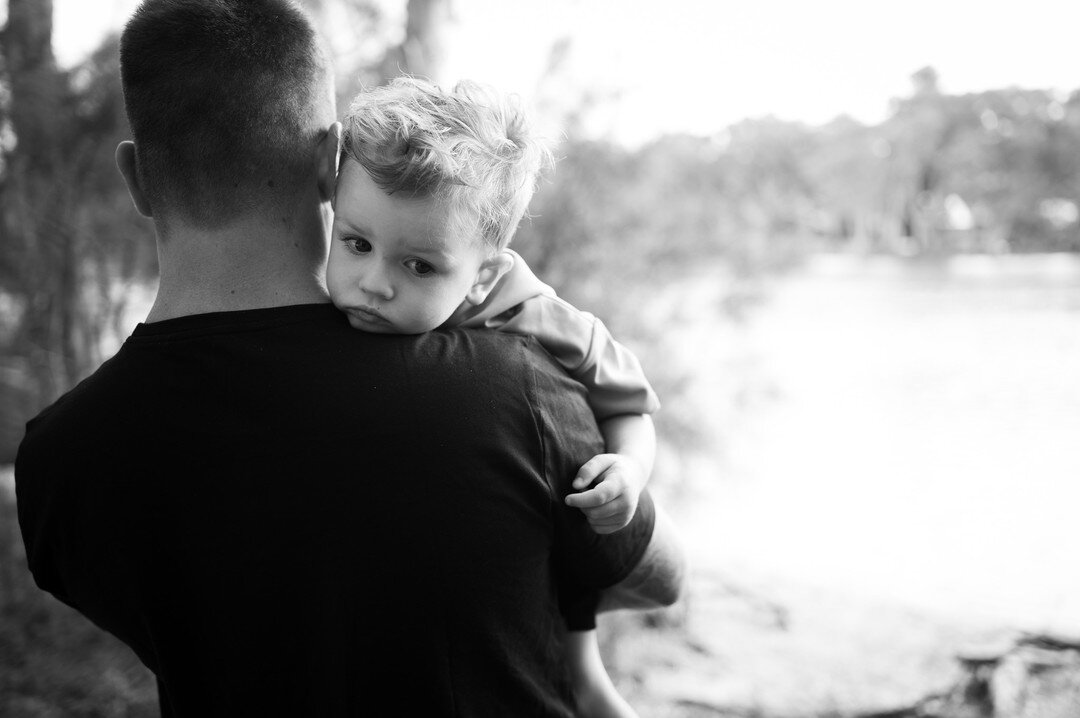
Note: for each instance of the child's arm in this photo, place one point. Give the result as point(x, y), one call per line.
point(521, 304)
point(620, 475)
point(618, 392)
point(594, 694)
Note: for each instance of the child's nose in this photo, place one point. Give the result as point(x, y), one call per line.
point(376, 283)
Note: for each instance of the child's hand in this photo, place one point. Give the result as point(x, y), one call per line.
point(612, 502)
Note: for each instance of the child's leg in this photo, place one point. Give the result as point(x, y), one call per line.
point(594, 692)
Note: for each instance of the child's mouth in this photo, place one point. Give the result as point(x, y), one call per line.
point(369, 316)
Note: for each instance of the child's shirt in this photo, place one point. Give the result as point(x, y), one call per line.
point(612, 375)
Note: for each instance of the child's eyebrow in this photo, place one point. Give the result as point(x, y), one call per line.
point(352, 226)
point(429, 249)
point(436, 249)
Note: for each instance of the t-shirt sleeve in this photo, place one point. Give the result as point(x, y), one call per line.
point(570, 437)
point(38, 505)
point(522, 304)
point(578, 604)
point(580, 342)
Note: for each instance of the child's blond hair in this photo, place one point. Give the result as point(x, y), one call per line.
point(471, 147)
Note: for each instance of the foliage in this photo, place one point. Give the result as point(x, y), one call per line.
point(992, 171)
point(73, 245)
point(995, 171)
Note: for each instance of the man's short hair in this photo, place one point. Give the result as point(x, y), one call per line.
point(471, 147)
point(225, 100)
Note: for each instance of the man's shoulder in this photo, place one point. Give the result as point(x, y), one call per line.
point(491, 350)
point(74, 419)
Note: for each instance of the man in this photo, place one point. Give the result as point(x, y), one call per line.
point(279, 514)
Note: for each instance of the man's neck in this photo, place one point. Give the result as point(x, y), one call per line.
point(243, 266)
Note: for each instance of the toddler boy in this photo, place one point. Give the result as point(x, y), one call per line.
point(431, 188)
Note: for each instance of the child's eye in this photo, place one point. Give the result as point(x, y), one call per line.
point(419, 267)
point(359, 245)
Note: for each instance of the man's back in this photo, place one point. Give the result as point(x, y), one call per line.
point(284, 516)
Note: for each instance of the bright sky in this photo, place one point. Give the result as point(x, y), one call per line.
point(699, 65)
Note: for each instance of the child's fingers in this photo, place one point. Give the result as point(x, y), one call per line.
point(612, 509)
point(607, 529)
point(601, 494)
point(592, 469)
point(609, 525)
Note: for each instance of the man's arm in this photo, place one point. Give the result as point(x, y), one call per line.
point(639, 566)
point(658, 579)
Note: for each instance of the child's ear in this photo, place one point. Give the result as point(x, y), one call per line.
point(328, 152)
point(491, 271)
point(125, 162)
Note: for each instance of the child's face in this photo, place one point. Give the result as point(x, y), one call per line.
point(395, 268)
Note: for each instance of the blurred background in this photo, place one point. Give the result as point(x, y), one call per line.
point(844, 240)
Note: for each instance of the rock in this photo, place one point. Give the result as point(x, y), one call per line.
point(1038, 678)
point(1034, 676)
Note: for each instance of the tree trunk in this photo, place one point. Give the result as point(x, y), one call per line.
point(38, 265)
point(28, 35)
point(31, 71)
point(422, 52)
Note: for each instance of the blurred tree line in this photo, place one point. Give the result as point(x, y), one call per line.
point(613, 229)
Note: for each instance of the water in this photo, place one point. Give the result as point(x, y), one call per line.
point(910, 432)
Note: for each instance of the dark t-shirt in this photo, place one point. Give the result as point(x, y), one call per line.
point(284, 516)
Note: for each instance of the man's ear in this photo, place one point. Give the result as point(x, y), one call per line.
point(328, 151)
point(491, 271)
point(125, 162)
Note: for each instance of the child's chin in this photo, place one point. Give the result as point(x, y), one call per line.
point(371, 327)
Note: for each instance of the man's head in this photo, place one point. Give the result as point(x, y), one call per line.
point(431, 189)
point(227, 101)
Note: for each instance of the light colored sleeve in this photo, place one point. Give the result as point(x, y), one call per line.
point(584, 347)
point(612, 375)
